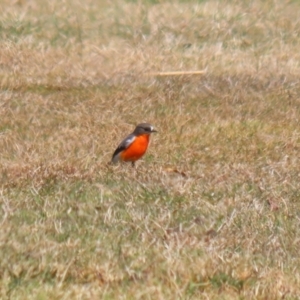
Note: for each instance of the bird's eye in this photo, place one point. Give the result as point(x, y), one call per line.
point(147, 129)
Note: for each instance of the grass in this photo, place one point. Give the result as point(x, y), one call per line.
point(211, 212)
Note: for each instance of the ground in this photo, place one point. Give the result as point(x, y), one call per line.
point(212, 210)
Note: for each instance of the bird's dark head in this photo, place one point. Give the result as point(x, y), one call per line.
point(144, 128)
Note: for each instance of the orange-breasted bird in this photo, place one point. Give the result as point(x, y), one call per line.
point(135, 145)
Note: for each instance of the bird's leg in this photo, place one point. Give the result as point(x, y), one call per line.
point(133, 164)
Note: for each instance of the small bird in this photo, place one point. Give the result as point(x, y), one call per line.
point(135, 145)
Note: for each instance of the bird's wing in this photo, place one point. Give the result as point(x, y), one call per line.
point(123, 145)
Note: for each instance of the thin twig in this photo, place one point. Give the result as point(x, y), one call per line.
point(176, 73)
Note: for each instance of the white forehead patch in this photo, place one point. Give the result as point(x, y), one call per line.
point(151, 127)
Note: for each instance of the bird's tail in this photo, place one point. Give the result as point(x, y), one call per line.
point(115, 159)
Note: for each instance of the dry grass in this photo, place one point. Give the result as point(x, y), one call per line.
point(212, 211)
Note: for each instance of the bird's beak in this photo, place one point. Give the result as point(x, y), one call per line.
point(153, 130)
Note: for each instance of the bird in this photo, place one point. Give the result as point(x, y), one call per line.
point(135, 145)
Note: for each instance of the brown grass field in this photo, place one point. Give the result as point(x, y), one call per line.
point(212, 211)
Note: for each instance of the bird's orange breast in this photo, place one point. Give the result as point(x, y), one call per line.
point(137, 149)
